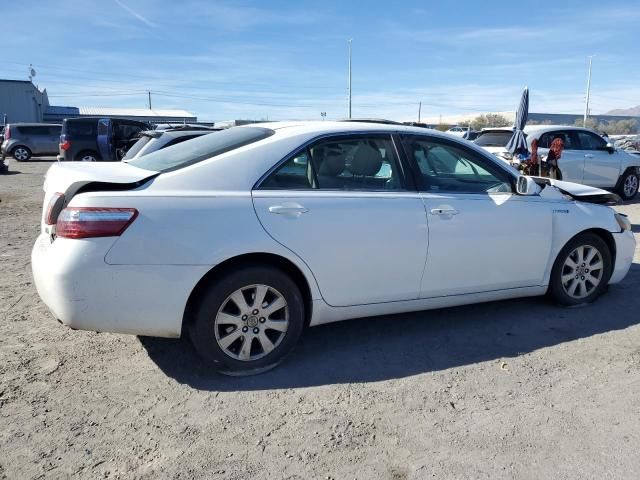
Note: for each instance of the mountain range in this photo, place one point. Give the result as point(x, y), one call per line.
point(632, 111)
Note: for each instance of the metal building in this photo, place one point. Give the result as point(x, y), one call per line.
point(22, 101)
point(55, 113)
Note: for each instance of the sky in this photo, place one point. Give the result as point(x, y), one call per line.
point(281, 60)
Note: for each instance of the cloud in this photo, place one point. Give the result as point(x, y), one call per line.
point(135, 14)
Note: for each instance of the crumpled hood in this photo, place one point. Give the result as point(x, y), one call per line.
point(583, 193)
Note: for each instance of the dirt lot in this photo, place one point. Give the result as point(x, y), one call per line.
point(518, 389)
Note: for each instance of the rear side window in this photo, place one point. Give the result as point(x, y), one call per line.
point(81, 128)
point(365, 163)
point(40, 131)
point(202, 148)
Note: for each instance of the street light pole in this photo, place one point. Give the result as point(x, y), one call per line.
point(419, 111)
point(586, 107)
point(350, 40)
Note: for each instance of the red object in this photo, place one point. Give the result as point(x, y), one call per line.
point(54, 207)
point(7, 132)
point(64, 143)
point(91, 222)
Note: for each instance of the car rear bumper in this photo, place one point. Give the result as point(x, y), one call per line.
point(625, 250)
point(85, 293)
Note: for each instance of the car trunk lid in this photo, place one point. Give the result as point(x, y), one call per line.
point(69, 179)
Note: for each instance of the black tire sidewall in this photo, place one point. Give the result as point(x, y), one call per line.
point(201, 327)
point(13, 153)
point(556, 289)
point(85, 153)
point(623, 180)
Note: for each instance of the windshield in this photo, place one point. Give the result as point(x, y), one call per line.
point(201, 148)
point(493, 139)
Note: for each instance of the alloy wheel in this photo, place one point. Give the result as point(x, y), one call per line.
point(582, 271)
point(630, 186)
point(20, 154)
point(88, 158)
point(251, 322)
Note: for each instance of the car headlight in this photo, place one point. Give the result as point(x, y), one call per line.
point(623, 222)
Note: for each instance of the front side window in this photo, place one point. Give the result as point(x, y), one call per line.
point(569, 139)
point(591, 141)
point(446, 167)
point(366, 163)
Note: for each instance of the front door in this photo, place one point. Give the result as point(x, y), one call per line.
point(341, 206)
point(571, 161)
point(482, 237)
point(601, 166)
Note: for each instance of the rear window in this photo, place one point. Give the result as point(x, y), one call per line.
point(133, 151)
point(80, 128)
point(199, 149)
point(493, 139)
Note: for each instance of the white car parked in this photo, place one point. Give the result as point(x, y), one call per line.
point(587, 157)
point(242, 237)
point(458, 131)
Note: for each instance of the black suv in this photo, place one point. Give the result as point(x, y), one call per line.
point(93, 139)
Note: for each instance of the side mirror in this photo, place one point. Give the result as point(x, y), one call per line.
point(610, 148)
point(526, 186)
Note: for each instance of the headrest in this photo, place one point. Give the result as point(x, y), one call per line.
point(332, 165)
point(366, 162)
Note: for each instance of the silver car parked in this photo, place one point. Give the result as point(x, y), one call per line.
point(24, 140)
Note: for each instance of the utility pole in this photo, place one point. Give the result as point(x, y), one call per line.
point(350, 40)
point(586, 107)
point(419, 111)
point(149, 93)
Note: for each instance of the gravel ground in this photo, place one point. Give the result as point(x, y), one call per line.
point(516, 389)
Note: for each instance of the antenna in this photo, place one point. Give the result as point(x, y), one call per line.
point(32, 72)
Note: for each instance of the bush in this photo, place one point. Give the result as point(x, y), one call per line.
point(489, 120)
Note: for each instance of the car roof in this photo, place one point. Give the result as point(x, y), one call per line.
point(291, 129)
point(25, 124)
point(550, 128)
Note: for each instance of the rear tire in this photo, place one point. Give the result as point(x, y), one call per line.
point(581, 271)
point(248, 321)
point(87, 156)
point(629, 183)
point(21, 154)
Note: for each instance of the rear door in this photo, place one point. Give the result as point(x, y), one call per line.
point(571, 161)
point(482, 236)
point(105, 139)
point(342, 205)
point(35, 137)
point(601, 166)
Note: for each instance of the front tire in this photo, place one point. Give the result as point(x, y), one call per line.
point(87, 156)
point(581, 271)
point(248, 321)
point(629, 184)
point(21, 154)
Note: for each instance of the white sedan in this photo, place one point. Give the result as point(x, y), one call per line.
point(587, 158)
point(243, 237)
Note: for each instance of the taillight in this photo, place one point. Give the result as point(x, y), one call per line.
point(54, 208)
point(64, 143)
point(89, 222)
point(7, 132)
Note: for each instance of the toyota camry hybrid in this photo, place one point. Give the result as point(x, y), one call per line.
point(242, 238)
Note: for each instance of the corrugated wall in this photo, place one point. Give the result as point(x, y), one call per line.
point(21, 102)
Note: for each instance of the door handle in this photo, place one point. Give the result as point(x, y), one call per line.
point(288, 209)
point(444, 211)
